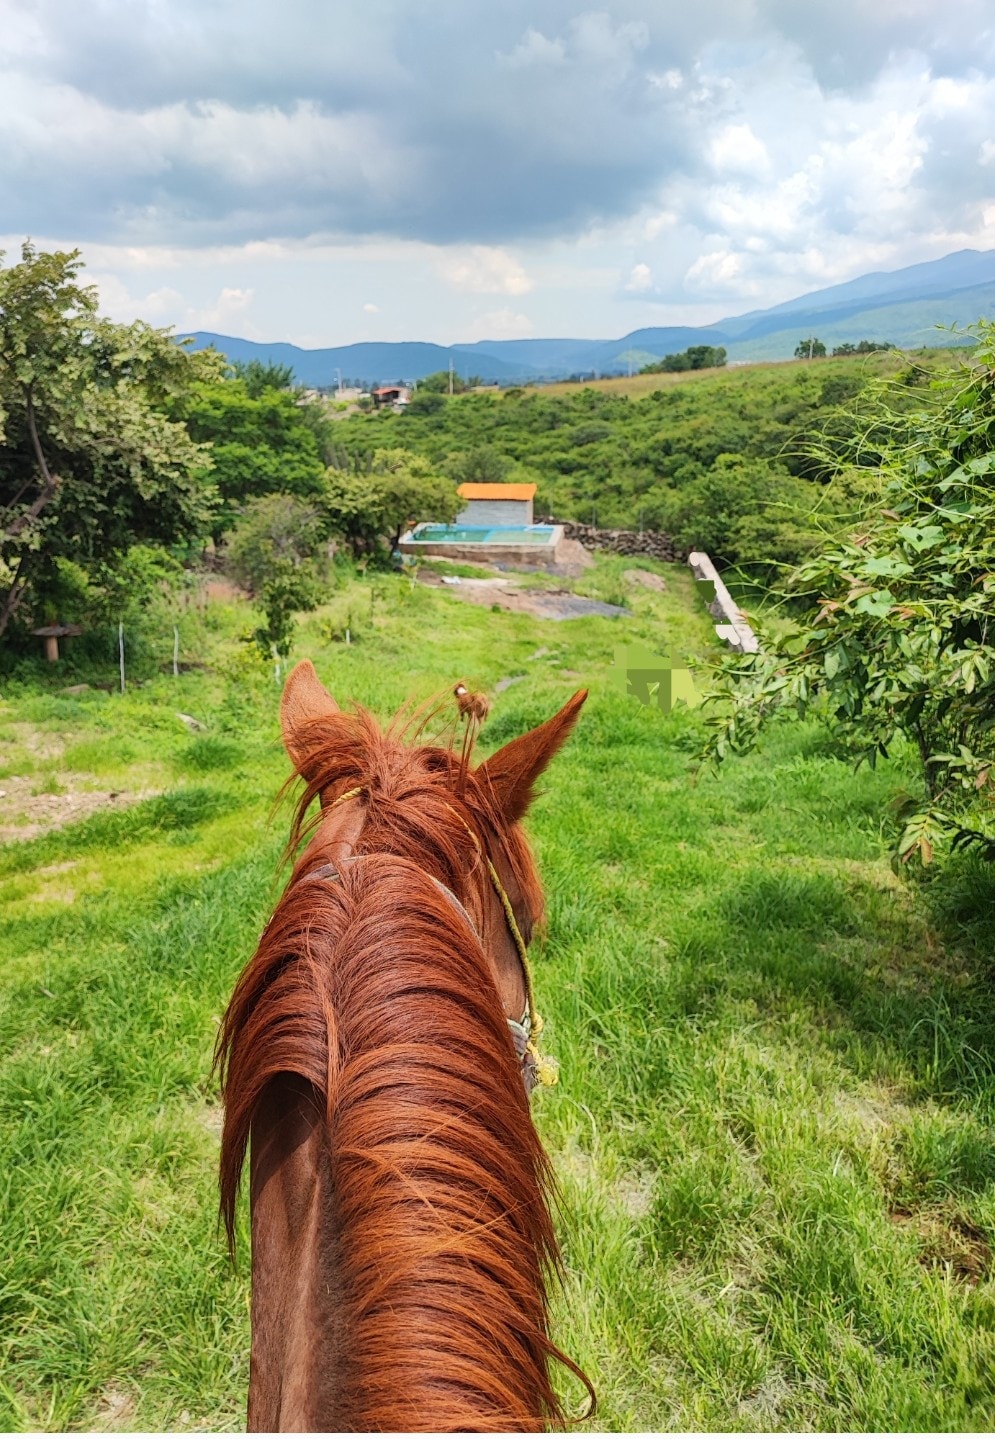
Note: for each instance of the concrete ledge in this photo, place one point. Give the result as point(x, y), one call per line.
point(732, 625)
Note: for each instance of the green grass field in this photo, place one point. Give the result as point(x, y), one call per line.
point(773, 1129)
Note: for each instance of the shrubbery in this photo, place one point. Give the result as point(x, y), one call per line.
point(897, 634)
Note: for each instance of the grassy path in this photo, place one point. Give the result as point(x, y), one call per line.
point(774, 1124)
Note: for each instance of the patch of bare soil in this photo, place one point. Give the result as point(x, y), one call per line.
point(571, 558)
point(115, 1409)
point(545, 604)
point(646, 578)
point(222, 589)
point(24, 815)
point(948, 1241)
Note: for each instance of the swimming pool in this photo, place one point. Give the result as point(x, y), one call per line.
point(482, 535)
point(516, 546)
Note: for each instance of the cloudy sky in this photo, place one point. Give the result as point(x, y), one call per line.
point(324, 173)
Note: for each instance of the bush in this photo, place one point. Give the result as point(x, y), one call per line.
point(741, 510)
point(896, 637)
point(273, 553)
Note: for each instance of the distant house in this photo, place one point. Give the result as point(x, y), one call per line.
point(395, 395)
point(496, 504)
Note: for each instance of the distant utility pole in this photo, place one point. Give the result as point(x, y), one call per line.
point(338, 374)
point(811, 347)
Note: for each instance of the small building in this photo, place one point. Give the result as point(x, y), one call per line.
point(397, 396)
point(496, 505)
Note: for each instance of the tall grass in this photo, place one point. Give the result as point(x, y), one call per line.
point(773, 1131)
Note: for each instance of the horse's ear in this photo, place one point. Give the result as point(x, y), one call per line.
point(305, 700)
point(510, 775)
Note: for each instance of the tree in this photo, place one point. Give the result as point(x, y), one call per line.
point(258, 377)
point(695, 357)
point(895, 636)
point(483, 465)
point(261, 444)
point(443, 382)
point(367, 504)
point(741, 510)
point(810, 349)
point(863, 347)
point(89, 463)
point(273, 552)
point(426, 402)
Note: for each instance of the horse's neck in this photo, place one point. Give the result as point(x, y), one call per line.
point(292, 1386)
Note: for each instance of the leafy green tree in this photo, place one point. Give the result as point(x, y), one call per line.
point(258, 377)
point(863, 347)
point(483, 465)
point(369, 504)
point(89, 463)
point(442, 382)
point(274, 552)
point(695, 357)
point(810, 349)
point(896, 636)
point(426, 402)
point(261, 444)
point(745, 511)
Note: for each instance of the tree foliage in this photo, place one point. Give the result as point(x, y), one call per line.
point(695, 357)
point(897, 635)
point(89, 462)
point(862, 347)
point(810, 349)
point(377, 499)
point(274, 552)
point(742, 509)
point(645, 462)
point(482, 465)
point(258, 377)
point(262, 443)
point(446, 382)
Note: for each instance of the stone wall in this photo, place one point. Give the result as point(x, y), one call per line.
point(623, 542)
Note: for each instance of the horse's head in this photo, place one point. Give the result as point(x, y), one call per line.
point(399, 1186)
point(424, 802)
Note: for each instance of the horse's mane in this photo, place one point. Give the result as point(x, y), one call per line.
point(375, 991)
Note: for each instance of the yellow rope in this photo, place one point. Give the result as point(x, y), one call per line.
point(547, 1069)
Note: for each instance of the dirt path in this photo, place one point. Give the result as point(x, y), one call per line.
point(546, 604)
point(27, 809)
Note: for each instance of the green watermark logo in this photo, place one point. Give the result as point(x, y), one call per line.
point(653, 679)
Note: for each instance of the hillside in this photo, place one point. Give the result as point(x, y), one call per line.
point(902, 306)
point(693, 455)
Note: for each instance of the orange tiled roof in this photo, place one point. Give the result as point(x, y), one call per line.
point(497, 492)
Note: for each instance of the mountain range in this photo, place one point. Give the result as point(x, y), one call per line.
point(901, 306)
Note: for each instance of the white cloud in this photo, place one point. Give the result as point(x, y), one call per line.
point(640, 280)
point(504, 324)
point(230, 308)
point(669, 80)
point(535, 49)
point(484, 270)
point(737, 148)
point(371, 309)
point(717, 272)
point(167, 305)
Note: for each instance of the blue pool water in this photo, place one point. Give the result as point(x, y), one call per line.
point(482, 535)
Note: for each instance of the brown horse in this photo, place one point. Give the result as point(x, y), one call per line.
point(375, 1049)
